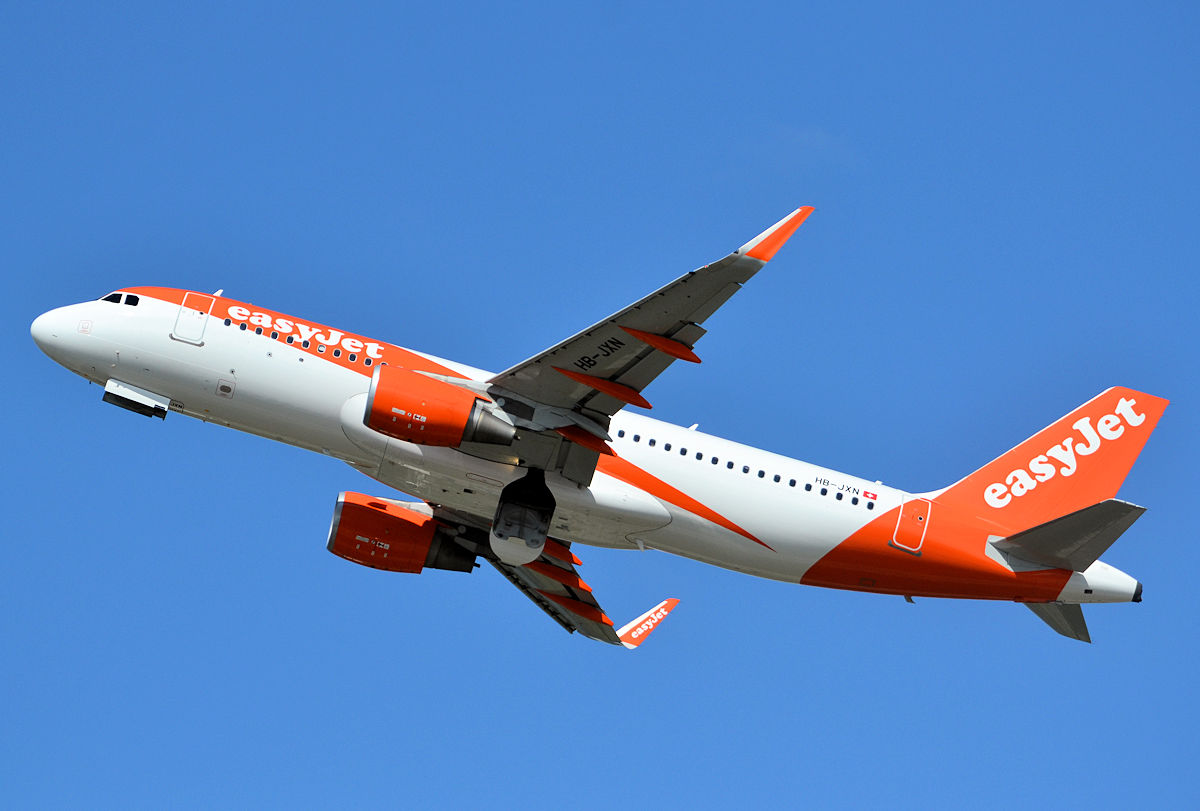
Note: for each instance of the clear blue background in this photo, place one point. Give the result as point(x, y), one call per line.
point(1006, 225)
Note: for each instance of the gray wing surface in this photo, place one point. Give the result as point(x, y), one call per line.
point(563, 397)
point(552, 582)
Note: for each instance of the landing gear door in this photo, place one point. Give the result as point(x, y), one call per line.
point(192, 318)
point(912, 525)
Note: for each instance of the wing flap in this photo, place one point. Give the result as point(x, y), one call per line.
point(554, 585)
point(574, 608)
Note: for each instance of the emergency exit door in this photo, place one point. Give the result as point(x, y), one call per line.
point(912, 525)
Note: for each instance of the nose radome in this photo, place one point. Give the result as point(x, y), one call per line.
point(44, 331)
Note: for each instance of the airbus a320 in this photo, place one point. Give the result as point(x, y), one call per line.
point(517, 468)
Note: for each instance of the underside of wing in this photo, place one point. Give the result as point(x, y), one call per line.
point(553, 583)
point(562, 398)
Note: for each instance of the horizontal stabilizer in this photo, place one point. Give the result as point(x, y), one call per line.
point(1076, 540)
point(1066, 619)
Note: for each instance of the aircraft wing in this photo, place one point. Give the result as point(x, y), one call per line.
point(574, 387)
point(553, 584)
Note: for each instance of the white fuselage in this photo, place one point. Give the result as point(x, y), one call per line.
point(284, 393)
point(663, 487)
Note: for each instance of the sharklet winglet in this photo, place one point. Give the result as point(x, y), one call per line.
point(634, 633)
point(767, 244)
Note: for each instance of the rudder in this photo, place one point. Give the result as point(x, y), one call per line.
point(1074, 463)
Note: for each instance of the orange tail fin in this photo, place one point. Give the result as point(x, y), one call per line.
point(1078, 461)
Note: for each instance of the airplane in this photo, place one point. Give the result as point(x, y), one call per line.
point(515, 468)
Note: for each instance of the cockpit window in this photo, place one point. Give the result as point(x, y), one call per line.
point(131, 300)
point(115, 298)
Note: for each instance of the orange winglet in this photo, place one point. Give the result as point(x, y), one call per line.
point(559, 574)
point(609, 387)
point(582, 437)
point(664, 344)
point(635, 633)
point(588, 612)
point(766, 244)
point(559, 552)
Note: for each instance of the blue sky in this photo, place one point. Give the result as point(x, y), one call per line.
point(1005, 226)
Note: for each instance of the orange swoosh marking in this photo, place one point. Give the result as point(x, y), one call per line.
point(630, 473)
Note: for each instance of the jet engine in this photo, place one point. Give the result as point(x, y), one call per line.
point(408, 405)
point(393, 536)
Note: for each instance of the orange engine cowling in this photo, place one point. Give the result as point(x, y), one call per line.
point(411, 406)
point(384, 534)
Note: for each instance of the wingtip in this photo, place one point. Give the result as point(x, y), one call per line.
point(767, 244)
point(635, 632)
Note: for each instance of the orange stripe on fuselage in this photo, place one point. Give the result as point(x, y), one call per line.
point(387, 353)
point(951, 563)
point(630, 473)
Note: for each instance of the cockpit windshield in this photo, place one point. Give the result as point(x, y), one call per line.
point(117, 298)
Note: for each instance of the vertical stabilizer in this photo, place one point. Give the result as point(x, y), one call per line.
point(1078, 461)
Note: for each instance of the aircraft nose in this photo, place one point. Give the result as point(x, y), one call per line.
point(42, 331)
point(48, 330)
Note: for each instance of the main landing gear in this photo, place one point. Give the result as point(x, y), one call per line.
point(522, 519)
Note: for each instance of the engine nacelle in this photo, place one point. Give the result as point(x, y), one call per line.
point(411, 406)
point(395, 537)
